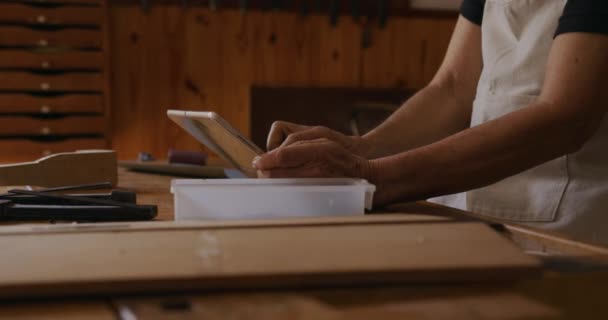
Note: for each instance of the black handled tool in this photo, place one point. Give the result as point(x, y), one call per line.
point(122, 196)
point(214, 4)
point(366, 35)
point(79, 209)
point(275, 5)
point(383, 12)
point(145, 5)
point(23, 212)
point(355, 8)
point(303, 8)
point(334, 12)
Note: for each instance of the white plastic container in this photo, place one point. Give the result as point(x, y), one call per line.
point(199, 199)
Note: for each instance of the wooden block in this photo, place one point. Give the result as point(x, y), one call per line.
point(266, 257)
point(63, 169)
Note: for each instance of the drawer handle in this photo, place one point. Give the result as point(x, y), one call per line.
point(41, 19)
point(45, 86)
point(43, 42)
point(45, 109)
point(45, 64)
point(45, 131)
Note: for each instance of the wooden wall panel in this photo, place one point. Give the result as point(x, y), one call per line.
point(199, 59)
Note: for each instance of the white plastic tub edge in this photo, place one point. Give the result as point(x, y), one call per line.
point(201, 199)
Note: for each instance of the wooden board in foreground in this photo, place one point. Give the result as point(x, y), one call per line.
point(272, 257)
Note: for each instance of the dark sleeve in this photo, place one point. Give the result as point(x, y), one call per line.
point(473, 10)
point(584, 16)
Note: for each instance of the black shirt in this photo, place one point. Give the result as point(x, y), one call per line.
point(578, 16)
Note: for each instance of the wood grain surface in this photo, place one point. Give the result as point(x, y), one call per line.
point(198, 59)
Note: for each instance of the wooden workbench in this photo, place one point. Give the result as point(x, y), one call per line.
point(572, 286)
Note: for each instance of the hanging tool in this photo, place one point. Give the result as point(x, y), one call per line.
point(320, 5)
point(214, 5)
point(276, 5)
point(366, 33)
point(303, 8)
point(145, 5)
point(355, 8)
point(383, 12)
point(334, 12)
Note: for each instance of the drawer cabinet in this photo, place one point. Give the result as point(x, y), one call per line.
point(23, 37)
point(62, 104)
point(53, 77)
point(51, 60)
point(67, 82)
point(22, 13)
point(23, 126)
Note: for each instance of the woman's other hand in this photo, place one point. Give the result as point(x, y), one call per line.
point(312, 158)
point(284, 134)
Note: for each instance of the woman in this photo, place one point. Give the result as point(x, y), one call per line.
point(512, 125)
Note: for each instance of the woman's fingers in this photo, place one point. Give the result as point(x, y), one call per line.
point(279, 131)
point(314, 158)
point(298, 172)
point(311, 133)
point(287, 157)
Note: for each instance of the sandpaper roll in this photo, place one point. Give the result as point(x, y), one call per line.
point(187, 157)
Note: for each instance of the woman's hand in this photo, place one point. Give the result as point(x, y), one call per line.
point(284, 134)
point(312, 158)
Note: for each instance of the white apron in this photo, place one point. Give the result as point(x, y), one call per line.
point(568, 194)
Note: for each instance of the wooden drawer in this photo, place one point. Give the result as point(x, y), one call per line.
point(73, 103)
point(26, 126)
point(21, 13)
point(18, 150)
point(72, 38)
point(66, 82)
point(51, 60)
